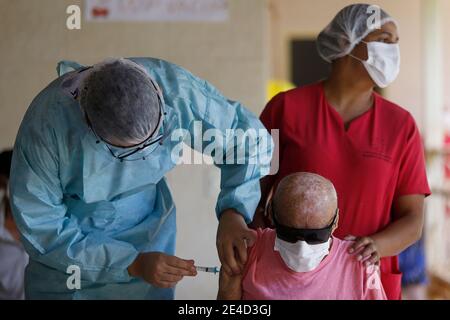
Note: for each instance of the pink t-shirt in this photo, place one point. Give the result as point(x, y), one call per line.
point(338, 277)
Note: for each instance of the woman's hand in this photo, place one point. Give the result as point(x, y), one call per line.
point(365, 249)
point(403, 231)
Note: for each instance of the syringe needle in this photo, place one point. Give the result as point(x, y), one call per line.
point(208, 269)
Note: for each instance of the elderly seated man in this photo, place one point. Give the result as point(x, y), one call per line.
point(300, 259)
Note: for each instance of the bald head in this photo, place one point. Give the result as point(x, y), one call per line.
point(305, 201)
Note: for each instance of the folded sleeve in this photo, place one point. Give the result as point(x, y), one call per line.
point(412, 177)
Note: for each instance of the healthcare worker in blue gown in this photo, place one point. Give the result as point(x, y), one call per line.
point(88, 188)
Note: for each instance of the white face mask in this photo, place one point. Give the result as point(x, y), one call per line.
point(301, 256)
point(383, 64)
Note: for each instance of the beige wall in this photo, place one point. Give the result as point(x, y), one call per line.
point(232, 55)
point(445, 18)
point(438, 220)
point(306, 18)
point(34, 38)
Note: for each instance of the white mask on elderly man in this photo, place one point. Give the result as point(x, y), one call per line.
point(301, 256)
point(383, 63)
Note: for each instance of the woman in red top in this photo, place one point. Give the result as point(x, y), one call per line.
point(368, 147)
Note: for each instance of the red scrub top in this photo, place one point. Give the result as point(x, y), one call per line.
point(378, 158)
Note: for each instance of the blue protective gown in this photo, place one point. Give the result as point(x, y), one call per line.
point(75, 204)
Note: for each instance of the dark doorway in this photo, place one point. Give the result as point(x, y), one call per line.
point(307, 66)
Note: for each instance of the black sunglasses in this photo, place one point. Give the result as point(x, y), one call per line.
point(310, 236)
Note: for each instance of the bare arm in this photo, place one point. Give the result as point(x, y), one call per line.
point(230, 287)
point(405, 230)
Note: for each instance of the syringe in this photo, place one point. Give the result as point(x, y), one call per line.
point(208, 269)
